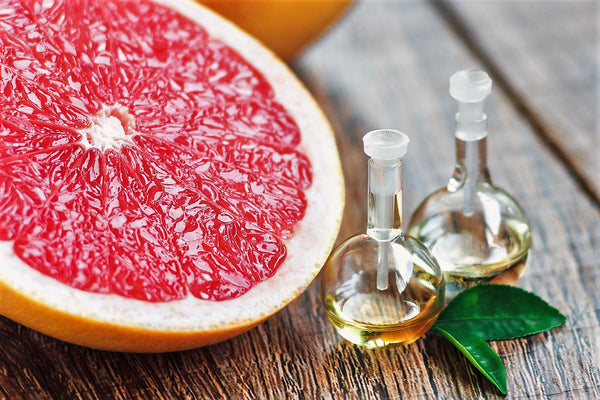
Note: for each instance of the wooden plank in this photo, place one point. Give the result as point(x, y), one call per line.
point(385, 65)
point(545, 56)
point(391, 70)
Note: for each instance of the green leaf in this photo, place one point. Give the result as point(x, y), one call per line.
point(499, 312)
point(494, 312)
point(481, 355)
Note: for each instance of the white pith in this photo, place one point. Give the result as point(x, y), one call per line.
point(307, 249)
point(107, 131)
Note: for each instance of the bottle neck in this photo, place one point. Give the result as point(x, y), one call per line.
point(471, 149)
point(471, 158)
point(385, 199)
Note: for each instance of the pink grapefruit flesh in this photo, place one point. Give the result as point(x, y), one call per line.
point(154, 160)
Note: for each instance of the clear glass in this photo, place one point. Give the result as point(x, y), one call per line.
point(368, 316)
point(385, 205)
point(476, 231)
point(381, 287)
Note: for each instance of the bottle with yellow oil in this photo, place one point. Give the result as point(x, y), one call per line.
point(477, 231)
point(382, 287)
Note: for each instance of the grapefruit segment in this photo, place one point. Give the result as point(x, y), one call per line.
point(154, 273)
point(21, 136)
point(72, 216)
point(26, 184)
point(154, 183)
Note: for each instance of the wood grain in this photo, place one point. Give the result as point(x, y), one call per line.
point(549, 70)
point(395, 83)
point(385, 65)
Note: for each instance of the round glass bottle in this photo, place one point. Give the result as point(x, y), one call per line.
point(477, 231)
point(381, 287)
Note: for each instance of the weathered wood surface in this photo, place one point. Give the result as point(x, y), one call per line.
point(549, 70)
point(387, 65)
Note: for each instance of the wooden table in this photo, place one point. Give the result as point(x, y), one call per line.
point(387, 65)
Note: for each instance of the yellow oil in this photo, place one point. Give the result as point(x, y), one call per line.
point(469, 256)
point(375, 318)
point(502, 273)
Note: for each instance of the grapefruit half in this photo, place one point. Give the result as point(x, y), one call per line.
point(165, 181)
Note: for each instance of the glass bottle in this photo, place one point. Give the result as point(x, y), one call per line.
point(477, 231)
point(381, 287)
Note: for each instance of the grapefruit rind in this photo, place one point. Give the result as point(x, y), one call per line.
point(112, 322)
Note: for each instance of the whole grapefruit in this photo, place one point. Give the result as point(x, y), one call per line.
point(285, 26)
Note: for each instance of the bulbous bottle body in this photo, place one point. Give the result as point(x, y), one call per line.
point(489, 242)
point(366, 315)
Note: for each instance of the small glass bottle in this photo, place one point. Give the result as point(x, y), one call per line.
point(382, 287)
point(477, 232)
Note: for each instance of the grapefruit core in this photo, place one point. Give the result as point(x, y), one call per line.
point(165, 181)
